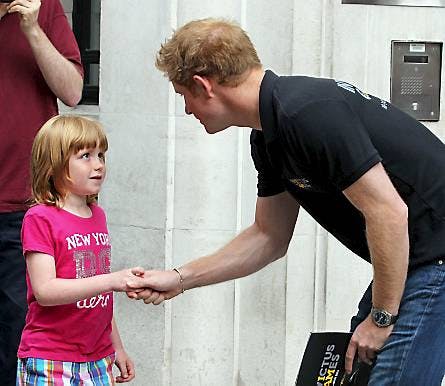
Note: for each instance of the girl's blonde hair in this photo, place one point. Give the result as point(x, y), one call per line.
point(56, 141)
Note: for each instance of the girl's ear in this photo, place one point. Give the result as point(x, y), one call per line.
point(203, 85)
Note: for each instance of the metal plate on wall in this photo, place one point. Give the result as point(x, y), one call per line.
point(416, 78)
point(408, 3)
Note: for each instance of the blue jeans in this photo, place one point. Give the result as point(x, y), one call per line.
point(414, 354)
point(12, 294)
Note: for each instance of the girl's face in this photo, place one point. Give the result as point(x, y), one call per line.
point(86, 171)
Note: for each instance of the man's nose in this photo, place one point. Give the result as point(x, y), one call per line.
point(187, 110)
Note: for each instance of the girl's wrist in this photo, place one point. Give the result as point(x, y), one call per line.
point(119, 350)
point(113, 282)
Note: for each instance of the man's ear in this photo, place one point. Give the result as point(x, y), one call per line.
point(204, 85)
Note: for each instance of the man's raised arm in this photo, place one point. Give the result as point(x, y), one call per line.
point(61, 75)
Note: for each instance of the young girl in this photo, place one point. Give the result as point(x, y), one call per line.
point(70, 335)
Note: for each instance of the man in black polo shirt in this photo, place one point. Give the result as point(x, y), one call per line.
point(368, 173)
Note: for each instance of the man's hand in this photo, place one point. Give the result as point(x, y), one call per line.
point(158, 286)
point(366, 341)
point(29, 13)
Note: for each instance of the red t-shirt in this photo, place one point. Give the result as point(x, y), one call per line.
point(81, 331)
point(26, 102)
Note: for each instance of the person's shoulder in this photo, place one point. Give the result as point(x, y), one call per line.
point(305, 81)
point(41, 212)
point(306, 88)
point(97, 210)
point(295, 92)
point(52, 4)
point(41, 209)
point(50, 8)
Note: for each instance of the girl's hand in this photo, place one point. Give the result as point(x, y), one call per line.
point(125, 366)
point(157, 287)
point(120, 280)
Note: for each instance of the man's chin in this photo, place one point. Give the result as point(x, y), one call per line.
point(213, 130)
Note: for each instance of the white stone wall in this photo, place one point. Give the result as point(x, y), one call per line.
point(175, 193)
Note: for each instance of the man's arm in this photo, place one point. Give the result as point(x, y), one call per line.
point(60, 74)
point(386, 217)
point(266, 240)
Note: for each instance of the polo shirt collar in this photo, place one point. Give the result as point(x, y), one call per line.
point(267, 108)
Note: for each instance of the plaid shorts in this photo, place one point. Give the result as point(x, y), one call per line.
point(43, 372)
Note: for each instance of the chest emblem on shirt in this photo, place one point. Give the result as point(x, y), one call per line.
point(302, 183)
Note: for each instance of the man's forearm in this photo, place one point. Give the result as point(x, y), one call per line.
point(250, 251)
point(389, 246)
point(60, 74)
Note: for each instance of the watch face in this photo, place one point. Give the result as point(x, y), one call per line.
point(381, 318)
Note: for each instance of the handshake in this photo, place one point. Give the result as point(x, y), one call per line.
point(150, 286)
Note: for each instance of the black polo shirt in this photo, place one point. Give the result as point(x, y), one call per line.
point(320, 135)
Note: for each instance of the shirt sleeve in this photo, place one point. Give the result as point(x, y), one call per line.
point(37, 234)
point(333, 142)
point(61, 35)
point(269, 180)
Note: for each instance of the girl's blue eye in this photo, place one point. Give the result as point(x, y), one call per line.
point(85, 155)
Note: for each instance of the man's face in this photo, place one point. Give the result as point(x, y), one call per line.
point(208, 110)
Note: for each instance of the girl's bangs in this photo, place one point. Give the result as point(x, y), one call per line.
point(89, 136)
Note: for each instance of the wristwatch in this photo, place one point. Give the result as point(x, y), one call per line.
point(382, 318)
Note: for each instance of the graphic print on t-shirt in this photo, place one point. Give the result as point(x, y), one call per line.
point(89, 264)
point(353, 89)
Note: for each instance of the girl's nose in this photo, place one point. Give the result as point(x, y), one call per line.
point(99, 164)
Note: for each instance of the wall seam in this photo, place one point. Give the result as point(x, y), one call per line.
point(239, 219)
point(169, 215)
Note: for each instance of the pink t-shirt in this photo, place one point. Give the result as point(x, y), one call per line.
point(77, 332)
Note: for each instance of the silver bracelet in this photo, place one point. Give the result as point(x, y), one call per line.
point(181, 279)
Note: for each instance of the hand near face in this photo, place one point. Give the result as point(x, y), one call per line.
point(3, 9)
point(28, 11)
point(158, 286)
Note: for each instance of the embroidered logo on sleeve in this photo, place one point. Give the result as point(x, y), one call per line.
point(302, 183)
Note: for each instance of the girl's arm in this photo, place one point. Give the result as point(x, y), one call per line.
point(123, 361)
point(50, 290)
